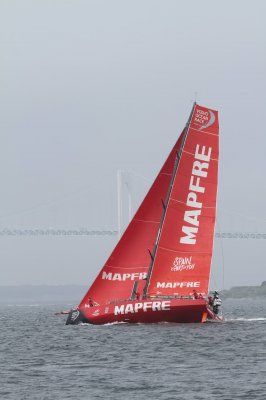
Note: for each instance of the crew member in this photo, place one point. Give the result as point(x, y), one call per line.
point(217, 302)
point(210, 300)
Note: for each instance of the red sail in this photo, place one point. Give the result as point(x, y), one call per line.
point(184, 249)
point(130, 260)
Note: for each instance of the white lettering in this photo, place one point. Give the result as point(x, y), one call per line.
point(192, 200)
point(107, 276)
point(145, 306)
point(156, 306)
point(117, 277)
point(138, 306)
point(129, 308)
point(166, 305)
point(174, 285)
point(201, 116)
point(182, 263)
point(202, 156)
point(195, 187)
point(142, 275)
point(123, 277)
point(119, 310)
point(199, 170)
point(190, 237)
point(191, 217)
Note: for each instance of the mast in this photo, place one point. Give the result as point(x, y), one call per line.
point(165, 205)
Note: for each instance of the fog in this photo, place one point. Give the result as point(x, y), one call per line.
point(90, 87)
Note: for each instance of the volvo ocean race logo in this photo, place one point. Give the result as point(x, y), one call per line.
point(182, 264)
point(204, 118)
point(74, 315)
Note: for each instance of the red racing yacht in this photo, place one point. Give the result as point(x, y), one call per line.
point(160, 269)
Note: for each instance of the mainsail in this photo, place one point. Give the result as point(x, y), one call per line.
point(183, 251)
point(130, 260)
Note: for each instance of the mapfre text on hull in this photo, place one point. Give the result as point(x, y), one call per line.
point(145, 311)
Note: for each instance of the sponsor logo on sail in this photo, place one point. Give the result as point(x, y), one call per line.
point(145, 306)
point(199, 173)
point(110, 276)
point(173, 285)
point(204, 118)
point(182, 264)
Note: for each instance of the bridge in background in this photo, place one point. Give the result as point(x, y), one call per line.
point(109, 232)
point(73, 210)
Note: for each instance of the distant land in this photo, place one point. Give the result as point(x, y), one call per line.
point(72, 294)
point(41, 294)
point(238, 292)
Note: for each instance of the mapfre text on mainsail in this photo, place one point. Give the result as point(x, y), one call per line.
point(196, 188)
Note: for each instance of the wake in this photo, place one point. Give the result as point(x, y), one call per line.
point(107, 324)
point(242, 319)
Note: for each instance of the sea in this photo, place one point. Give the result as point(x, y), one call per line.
point(42, 358)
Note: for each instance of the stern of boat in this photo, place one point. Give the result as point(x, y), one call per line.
point(75, 317)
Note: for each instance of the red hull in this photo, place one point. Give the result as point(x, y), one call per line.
point(145, 311)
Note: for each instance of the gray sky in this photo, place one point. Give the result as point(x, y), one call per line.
point(88, 87)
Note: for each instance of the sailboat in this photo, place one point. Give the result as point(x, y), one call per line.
point(160, 269)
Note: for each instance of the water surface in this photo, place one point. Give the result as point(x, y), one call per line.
point(41, 358)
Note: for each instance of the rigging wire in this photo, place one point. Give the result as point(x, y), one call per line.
point(222, 252)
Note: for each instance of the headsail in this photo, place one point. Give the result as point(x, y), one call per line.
point(184, 248)
point(130, 260)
